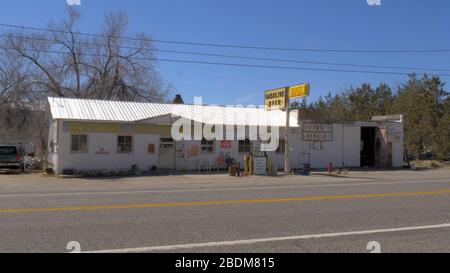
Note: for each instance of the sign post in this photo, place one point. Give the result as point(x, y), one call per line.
point(279, 99)
point(286, 132)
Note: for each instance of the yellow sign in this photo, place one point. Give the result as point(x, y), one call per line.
point(299, 91)
point(275, 99)
point(114, 128)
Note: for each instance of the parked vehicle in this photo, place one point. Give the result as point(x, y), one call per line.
point(427, 156)
point(11, 157)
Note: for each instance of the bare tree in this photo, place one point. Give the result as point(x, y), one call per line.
point(67, 63)
point(63, 62)
point(23, 115)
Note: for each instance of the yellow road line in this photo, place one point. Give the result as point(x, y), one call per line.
point(226, 202)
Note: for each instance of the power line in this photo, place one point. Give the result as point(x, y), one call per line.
point(32, 91)
point(231, 64)
point(234, 45)
point(237, 56)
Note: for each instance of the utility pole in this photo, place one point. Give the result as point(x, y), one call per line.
point(274, 98)
point(286, 132)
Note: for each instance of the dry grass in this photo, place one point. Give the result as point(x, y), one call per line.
point(432, 164)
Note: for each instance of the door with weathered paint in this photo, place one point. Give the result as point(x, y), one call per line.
point(166, 154)
point(351, 150)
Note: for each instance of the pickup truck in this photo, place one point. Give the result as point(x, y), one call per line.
point(11, 157)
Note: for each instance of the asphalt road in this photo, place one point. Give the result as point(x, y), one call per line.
point(403, 211)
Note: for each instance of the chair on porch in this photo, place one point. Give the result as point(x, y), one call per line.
point(218, 164)
point(203, 165)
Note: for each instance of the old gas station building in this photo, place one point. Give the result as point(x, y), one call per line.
point(95, 135)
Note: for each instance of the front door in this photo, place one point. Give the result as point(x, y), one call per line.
point(166, 154)
point(351, 150)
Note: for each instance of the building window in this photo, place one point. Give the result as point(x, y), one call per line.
point(124, 144)
point(207, 146)
point(79, 144)
point(281, 147)
point(244, 146)
point(166, 143)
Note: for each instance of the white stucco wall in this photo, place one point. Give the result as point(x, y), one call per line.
point(342, 150)
point(396, 136)
point(102, 153)
point(191, 162)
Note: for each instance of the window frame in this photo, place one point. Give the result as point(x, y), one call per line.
point(79, 144)
point(211, 144)
point(166, 143)
point(119, 151)
point(249, 146)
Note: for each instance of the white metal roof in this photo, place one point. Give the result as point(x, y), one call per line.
point(119, 111)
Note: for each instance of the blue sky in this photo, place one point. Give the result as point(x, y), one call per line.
point(320, 24)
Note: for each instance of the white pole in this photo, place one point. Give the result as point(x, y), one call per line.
point(286, 133)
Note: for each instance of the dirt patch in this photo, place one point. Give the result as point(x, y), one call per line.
point(431, 164)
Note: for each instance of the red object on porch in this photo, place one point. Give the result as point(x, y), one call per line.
point(225, 144)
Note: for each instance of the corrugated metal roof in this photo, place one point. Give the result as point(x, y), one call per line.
point(119, 111)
